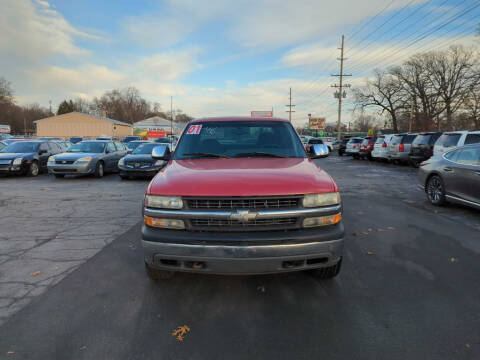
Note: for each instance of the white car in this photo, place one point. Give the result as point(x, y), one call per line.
point(380, 148)
point(453, 139)
point(328, 141)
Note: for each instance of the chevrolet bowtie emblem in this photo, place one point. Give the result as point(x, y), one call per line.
point(243, 215)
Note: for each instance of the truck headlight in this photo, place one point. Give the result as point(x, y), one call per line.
point(17, 161)
point(322, 220)
point(164, 223)
point(121, 161)
point(51, 159)
point(159, 163)
point(163, 202)
point(316, 200)
point(85, 159)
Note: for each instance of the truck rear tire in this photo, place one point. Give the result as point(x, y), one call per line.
point(157, 275)
point(328, 272)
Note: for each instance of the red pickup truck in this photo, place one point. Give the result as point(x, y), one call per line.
point(239, 195)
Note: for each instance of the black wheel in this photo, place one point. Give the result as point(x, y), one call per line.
point(33, 169)
point(328, 272)
point(369, 157)
point(435, 190)
point(59, 176)
point(340, 153)
point(99, 170)
point(156, 275)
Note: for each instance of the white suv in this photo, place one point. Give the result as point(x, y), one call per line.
point(380, 149)
point(453, 139)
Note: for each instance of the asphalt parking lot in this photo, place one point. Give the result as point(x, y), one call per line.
point(73, 285)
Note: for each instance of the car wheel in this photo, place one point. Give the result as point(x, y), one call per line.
point(340, 153)
point(99, 170)
point(33, 169)
point(328, 272)
point(156, 275)
point(59, 176)
point(436, 190)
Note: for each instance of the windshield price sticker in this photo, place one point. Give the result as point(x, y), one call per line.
point(194, 129)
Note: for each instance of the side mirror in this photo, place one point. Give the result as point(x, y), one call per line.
point(318, 151)
point(161, 152)
point(129, 151)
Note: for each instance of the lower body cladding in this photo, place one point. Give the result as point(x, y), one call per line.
point(13, 169)
point(260, 252)
point(400, 157)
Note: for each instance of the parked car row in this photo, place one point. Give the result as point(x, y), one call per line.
point(88, 157)
point(406, 148)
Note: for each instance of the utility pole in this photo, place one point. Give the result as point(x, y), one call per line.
point(289, 111)
point(50, 102)
point(25, 126)
point(171, 119)
point(340, 93)
point(410, 123)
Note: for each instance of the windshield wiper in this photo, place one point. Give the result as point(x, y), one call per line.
point(260, 154)
point(201, 154)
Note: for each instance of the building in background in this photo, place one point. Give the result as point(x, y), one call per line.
point(156, 127)
point(80, 124)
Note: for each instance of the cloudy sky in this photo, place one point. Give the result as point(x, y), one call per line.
point(217, 57)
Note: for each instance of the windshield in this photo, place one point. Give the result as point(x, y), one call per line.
point(21, 147)
point(144, 149)
point(356, 141)
point(239, 139)
point(134, 144)
point(163, 140)
point(448, 140)
point(87, 147)
point(397, 139)
point(380, 140)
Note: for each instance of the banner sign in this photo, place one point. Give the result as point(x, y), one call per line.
point(262, 113)
point(156, 133)
point(317, 123)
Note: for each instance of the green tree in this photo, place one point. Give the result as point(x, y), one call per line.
point(65, 107)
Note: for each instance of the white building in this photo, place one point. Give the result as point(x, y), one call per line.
point(156, 123)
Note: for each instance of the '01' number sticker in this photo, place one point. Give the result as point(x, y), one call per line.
point(194, 129)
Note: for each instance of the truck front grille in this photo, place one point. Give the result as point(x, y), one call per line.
point(267, 224)
point(243, 203)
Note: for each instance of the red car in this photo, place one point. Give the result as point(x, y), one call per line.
point(366, 147)
point(241, 196)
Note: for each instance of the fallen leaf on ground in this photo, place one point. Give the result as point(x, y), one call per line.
point(369, 253)
point(180, 332)
point(370, 230)
point(83, 348)
point(453, 260)
point(36, 273)
point(365, 233)
point(467, 346)
point(261, 288)
point(10, 352)
point(355, 234)
point(56, 268)
point(390, 228)
point(380, 230)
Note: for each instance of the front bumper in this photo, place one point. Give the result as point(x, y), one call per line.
point(399, 156)
point(352, 151)
point(151, 171)
point(13, 169)
point(380, 154)
point(259, 252)
point(71, 169)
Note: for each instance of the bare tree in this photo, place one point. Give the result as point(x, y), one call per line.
point(451, 73)
point(385, 92)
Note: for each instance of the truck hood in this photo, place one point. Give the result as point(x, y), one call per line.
point(241, 177)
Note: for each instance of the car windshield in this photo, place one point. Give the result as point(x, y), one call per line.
point(422, 139)
point(163, 140)
point(448, 140)
point(21, 147)
point(356, 141)
point(397, 139)
point(87, 147)
point(144, 149)
point(134, 144)
point(380, 140)
point(239, 139)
